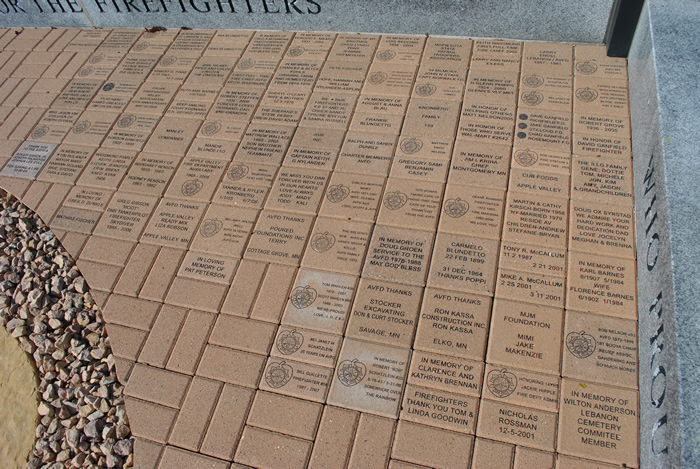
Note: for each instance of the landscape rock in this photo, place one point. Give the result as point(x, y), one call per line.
point(45, 303)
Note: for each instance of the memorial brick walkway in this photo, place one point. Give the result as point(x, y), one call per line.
point(329, 250)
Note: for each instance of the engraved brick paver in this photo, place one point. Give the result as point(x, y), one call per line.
point(327, 250)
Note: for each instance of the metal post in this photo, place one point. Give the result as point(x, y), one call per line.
point(624, 17)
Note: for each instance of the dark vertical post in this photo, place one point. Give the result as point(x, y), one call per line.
point(624, 17)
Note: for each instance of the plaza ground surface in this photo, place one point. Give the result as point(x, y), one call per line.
point(328, 250)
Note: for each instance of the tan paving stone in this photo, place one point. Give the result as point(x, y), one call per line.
point(399, 255)
point(227, 422)
point(173, 136)
point(410, 204)
point(150, 421)
point(15, 186)
point(102, 276)
point(73, 242)
point(532, 428)
point(281, 414)
point(196, 179)
point(194, 416)
point(159, 386)
point(150, 173)
point(70, 218)
point(337, 245)
point(224, 231)
point(335, 437)
point(526, 457)
point(296, 379)
point(107, 168)
point(107, 250)
point(261, 448)
point(492, 454)
point(244, 288)
point(279, 237)
point(619, 444)
point(190, 293)
point(35, 193)
point(161, 274)
point(146, 453)
point(243, 334)
point(272, 295)
point(129, 311)
point(180, 459)
point(174, 223)
point(126, 341)
point(208, 267)
point(126, 216)
point(373, 439)
point(231, 366)
point(88, 198)
point(457, 413)
point(396, 464)
point(123, 368)
point(306, 345)
point(162, 336)
point(366, 153)
point(320, 301)
point(453, 323)
point(136, 269)
point(191, 342)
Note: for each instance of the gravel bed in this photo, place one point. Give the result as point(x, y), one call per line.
point(45, 303)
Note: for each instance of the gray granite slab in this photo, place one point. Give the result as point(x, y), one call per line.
point(28, 160)
point(665, 110)
point(545, 20)
point(43, 13)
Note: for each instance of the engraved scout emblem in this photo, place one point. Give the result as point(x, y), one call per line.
point(141, 46)
point(245, 64)
point(126, 121)
point(377, 78)
point(456, 208)
point(586, 94)
point(580, 344)
point(237, 172)
point(303, 296)
point(296, 51)
point(526, 157)
point(81, 127)
point(588, 67)
point(87, 71)
point(411, 145)
point(40, 131)
point(278, 374)
point(395, 200)
point(210, 128)
point(352, 372)
point(386, 55)
point(501, 383)
point(533, 81)
point(191, 187)
point(322, 242)
point(532, 98)
point(289, 342)
point(337, 193)
point(426, 89)
point(210, 227)
point(168, 61)
point(97, 58)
